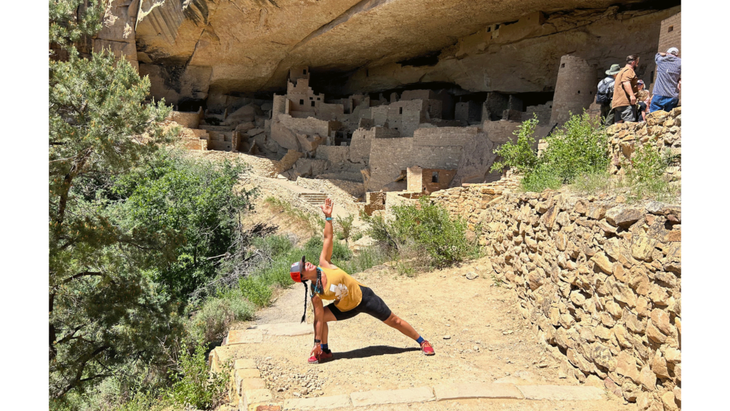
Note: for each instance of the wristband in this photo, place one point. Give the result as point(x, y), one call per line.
point(316, 341)
point(328, 218)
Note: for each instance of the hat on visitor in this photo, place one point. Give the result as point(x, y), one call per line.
point(640, 82)
point(673, 50)
point(615, 68)
point(296, 271)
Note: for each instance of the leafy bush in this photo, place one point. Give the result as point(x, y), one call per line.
point(364, 259)
point(256, 290)
point(193, 385)
point(645, 174)
point(193, 202)
point(426, 227)
point(211, 322)
point(273, 245)
point(579, 147)
point(522, 155)
point(345, 224)
point(313, 248)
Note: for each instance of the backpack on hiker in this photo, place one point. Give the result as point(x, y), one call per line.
point(605, 90)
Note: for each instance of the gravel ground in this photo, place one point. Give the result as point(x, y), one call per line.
point(474, 326)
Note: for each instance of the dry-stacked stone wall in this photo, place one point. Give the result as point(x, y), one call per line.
point(662, 130)
point(598, 279)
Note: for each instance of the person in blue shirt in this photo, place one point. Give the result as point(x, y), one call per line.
point(668, 81)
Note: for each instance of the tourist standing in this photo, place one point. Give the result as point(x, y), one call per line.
point(624, 91)
point(604, 96)
point(668, 80)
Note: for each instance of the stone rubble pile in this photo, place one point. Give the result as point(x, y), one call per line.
point(600, 280)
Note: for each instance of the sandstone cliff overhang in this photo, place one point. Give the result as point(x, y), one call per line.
point(202, 47)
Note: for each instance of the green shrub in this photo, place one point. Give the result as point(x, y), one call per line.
point(579, 147)
point(357, 235)
point(520, 155)
point(542, 177)
point(193, 385)
point(345, 224)
point(364, 259)
point(313, 248)
point(274, 245)
point(645, 174)
point(211, 322)
point(426, 227)
point(256, 290)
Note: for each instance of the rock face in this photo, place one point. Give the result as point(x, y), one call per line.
point(215, 49)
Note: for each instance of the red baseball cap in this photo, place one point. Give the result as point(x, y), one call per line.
point(296, 270)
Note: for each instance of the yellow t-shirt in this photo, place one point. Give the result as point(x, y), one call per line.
point(341, 288)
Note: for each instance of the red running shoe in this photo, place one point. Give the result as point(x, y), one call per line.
point(325, 356)
point(426, 348)
point(320, 358)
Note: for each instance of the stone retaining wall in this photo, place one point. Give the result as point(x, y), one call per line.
point(599, 280)
point(661, 130)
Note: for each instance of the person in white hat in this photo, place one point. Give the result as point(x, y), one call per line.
point(329, 282)
point(668, 81)
point(604, 95)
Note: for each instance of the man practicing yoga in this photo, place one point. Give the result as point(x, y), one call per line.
point(350, 297)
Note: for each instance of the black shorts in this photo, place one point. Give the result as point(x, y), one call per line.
point(370, 304)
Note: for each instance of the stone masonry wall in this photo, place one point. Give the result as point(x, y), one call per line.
point(661, 130)
point(599, 280)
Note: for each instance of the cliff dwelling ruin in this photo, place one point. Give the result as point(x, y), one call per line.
point(386, 96)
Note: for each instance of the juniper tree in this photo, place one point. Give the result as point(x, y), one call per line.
point(132, 229)
point(100, 303)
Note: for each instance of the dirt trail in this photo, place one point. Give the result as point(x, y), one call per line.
point(475, 327)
